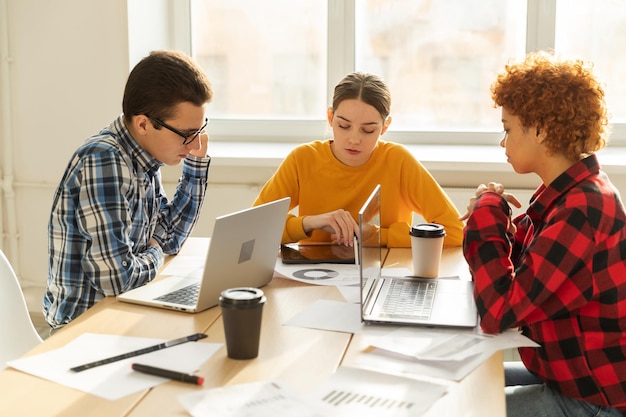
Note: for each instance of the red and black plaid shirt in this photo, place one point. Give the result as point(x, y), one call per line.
point(561, 278)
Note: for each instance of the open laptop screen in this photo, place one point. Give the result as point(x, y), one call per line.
point(403, 300)
point(370, 251)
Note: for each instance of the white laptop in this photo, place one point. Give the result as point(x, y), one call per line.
point(406, 300)
point(242, 253)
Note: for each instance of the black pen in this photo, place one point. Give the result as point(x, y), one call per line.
point(191, 338)
point(166, 373)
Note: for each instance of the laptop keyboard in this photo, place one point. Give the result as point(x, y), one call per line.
point(409, 299)
point(185, 296)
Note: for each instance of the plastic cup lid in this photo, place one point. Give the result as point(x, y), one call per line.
point(427, 230)
point(242, 295)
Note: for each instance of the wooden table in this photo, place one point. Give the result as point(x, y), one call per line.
point(302, 358)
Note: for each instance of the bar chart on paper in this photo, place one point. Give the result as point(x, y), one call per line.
point(370, 394)
point(354, 391)
point(366, 401)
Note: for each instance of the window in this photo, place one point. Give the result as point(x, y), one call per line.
point(597, 31)
point(266, 59)
point(439, 64)
point(274, 63)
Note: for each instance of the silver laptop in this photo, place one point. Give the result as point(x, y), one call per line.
point(406, 300)
point(242, 253)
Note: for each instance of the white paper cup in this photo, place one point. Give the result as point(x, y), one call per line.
point(426, 247)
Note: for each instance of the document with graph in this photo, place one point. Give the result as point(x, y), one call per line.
point(349, 391)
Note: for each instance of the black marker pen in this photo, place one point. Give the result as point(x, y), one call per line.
point(166, 373)
point(164, 345)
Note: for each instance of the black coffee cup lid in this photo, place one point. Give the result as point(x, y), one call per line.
point(427, 230)
point(241, 296)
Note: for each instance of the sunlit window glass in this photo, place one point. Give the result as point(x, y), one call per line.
point(265, 59)
point(439, 57)
point(596, 31)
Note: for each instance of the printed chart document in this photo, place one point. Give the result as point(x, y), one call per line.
point(255, 399)
point(348, 392)
point(114, 380)
point(359, 392)
point(329, 274)
point(319, 274)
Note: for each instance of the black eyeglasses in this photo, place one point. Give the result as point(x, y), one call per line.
point(187, 137)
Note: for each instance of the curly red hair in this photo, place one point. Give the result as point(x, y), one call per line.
point(561, 97)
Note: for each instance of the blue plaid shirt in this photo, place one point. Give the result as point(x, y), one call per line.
point(108, 205)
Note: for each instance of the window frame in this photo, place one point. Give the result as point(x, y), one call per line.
point(540, 34)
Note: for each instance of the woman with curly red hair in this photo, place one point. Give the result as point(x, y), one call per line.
point(557, 271)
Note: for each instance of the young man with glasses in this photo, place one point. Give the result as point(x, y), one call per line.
point(111, 222)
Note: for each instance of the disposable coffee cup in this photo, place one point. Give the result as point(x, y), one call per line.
point(242, 310)
point(426, 247)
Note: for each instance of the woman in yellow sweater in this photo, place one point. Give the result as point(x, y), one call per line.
point(330, 180)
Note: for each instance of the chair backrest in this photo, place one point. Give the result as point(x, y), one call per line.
point(17, 333)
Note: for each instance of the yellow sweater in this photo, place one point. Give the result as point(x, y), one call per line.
point(318, 183)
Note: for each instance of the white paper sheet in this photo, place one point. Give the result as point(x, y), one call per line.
point(255, 399)
point(348, 392)
point(117, 379)
point(185, 266)
point(350, 293)
point(394, 358)
point(336, 316)
point(435, 345)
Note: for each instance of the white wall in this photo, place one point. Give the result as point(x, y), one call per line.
point(67, 63)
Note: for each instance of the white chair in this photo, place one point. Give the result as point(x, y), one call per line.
point(17, 333)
